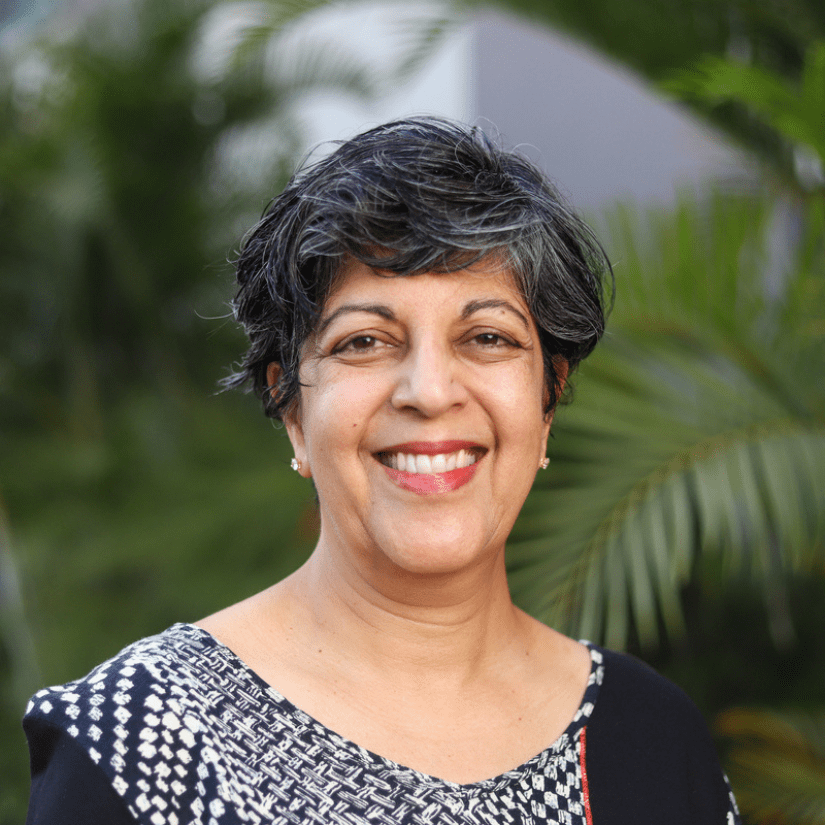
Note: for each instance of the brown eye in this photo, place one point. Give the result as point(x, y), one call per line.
point(493, 340)
point(358, 344)
point(363, 342)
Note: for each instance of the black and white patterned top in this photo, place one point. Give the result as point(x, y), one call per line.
point(185, 732)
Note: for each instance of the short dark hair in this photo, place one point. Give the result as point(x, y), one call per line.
point(413, 196)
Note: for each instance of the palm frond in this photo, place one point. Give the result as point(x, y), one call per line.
point(307, 63)
point(688, 439)
point(281, 40)
point(794, 110)
point(420, 32)
point(234, 34)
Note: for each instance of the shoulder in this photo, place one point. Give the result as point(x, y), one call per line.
point(633, 693)
point(140, 714)
point(649, 750)
point(153, 674)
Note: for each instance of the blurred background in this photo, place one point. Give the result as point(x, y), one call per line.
point(683, 515)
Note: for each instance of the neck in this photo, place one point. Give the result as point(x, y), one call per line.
point(450, 625)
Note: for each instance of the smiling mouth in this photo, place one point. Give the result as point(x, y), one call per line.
point(422, 464)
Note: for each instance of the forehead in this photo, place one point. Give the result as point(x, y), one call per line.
point(490, 277)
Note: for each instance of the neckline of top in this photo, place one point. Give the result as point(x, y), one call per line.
point(334, 742)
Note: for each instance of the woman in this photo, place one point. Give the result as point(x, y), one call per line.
point(415, 303)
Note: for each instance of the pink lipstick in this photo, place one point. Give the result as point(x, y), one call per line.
point(432, 447)
point(400, 464)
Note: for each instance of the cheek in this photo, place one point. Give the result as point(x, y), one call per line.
point(338, 413)
point(529, 410)
point(516, 407)
point(525, 393)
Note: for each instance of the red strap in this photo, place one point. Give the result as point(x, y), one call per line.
point(583, 767)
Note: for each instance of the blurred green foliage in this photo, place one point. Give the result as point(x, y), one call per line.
point(698, 434)
point(683, 513)
point(778, 763)
point(135, 495)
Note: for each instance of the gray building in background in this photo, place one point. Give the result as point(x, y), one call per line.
point(601, 132)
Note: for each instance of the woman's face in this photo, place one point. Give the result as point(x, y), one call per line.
point(421, 416)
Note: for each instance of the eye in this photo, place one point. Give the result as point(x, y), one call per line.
point(493, 340)
point(358, 344)
point(362, 342)
point(488, 344)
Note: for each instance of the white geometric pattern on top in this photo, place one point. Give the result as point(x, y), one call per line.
point(187, 734)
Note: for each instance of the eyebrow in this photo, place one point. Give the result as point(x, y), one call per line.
point(375, 309)
point(493, 303)
point(385, 312)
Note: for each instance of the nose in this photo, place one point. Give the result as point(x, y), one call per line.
point(429, 381)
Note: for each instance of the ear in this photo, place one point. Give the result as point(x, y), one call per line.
point(292, 422)
point(562, 368)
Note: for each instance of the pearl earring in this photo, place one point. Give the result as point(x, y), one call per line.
point(544, 463)
point(295, 464)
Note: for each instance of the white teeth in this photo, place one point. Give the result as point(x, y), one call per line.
point(429, 465)
point(465, 458)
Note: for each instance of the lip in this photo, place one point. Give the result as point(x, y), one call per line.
point(427, 484)
point(431, 447)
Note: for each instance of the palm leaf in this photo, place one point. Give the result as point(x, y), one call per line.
point(794, 110)
point(689, 439)
point(420, 33)
point(290, 44)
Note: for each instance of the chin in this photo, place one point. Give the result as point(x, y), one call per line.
point(440, 557)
